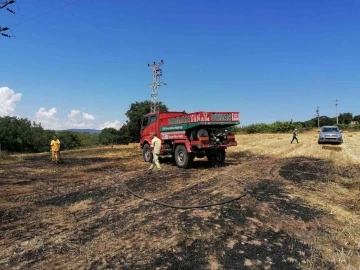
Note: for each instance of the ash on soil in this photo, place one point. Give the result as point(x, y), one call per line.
point(77, 196)
point(303, 169)
point(271, 191)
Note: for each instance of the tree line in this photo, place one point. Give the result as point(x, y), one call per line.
point(21, 135)
point(346, 122)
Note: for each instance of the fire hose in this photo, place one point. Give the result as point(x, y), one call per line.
point(243, 194)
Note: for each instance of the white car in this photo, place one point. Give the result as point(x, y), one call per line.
point(330, 134)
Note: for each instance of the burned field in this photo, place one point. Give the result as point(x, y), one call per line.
point(298, 213)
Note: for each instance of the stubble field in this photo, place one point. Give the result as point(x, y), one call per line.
point(301, 211)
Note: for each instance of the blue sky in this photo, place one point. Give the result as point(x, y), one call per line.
point(84, 64)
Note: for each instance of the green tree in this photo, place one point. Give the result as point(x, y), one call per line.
point(41, 138)
point(310, 123)
point(109, 136)
point(356, 118)
point(345, 118)
point(20, 135)
point(327, 121)
point(124, 134)
point(234, 129)
point(135, 114)
point(15, 134)
point(95, 139)
point(87, 140)
point(68, 139)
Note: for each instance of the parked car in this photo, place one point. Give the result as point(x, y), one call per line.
point(330, 134)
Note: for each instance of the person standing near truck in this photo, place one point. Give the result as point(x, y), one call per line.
point(155, 149)
point(55, 149)
point(295, 136)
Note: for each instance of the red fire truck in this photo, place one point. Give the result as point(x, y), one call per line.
point(185, 136)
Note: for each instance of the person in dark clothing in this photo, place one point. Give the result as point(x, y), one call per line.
point(295, 136)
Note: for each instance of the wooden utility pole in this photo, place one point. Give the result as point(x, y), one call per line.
point(318, 116)
point(337, 117)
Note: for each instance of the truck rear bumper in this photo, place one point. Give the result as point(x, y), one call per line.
point(208, 145)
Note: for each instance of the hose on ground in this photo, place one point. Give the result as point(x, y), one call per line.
point(243, 194)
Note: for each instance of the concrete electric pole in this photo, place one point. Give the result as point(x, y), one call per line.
point(318, 116)
point(337, 117)
point(157, 72)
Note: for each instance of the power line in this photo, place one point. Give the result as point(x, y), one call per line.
point(157, 72)
point(73, 14)
point(45, 13)
point(6, 3)
point(57, 30)
point(78, 40)
point(98, 27)
point(63, 32)
point(105, 57)
point(69, 35)
point(103, 49)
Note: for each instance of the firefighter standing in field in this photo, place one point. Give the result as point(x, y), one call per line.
point(155, 149)
point(55, 150)
point(295, 136)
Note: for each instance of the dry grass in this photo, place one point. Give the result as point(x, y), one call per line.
point(302, 210)
point(5, 158)
point(80, 206)
point(263, 144)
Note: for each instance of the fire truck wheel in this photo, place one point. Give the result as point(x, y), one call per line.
point(146, 153)
point(182, 157)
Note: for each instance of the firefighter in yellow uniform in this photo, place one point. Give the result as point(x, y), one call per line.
point(155, 149)
point(55, 149)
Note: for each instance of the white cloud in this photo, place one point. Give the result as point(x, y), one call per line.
point(87, 116)
point(115, 125)
point(75, 119)
point(47, 115)
point(80, 119)
point(73, 114)
point(7, 101)
point(47, 118)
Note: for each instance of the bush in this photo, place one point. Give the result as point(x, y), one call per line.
point(349, 127)
point(277, 127)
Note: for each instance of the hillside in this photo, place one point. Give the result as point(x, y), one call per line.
point(301, 210)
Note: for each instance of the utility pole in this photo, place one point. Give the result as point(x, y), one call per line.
point(157, 72)
point(318, 115)
point(4, 4)
point(337, 117)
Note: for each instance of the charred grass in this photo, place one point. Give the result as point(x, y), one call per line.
point(300, 213)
